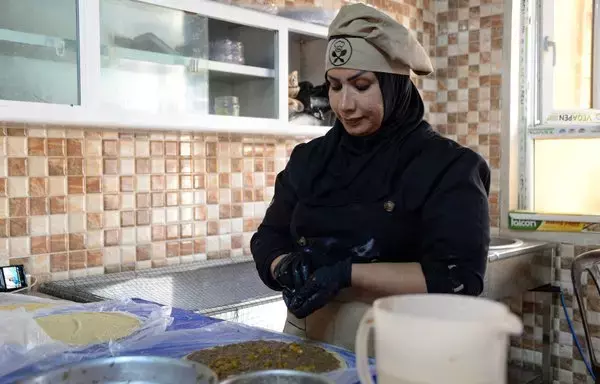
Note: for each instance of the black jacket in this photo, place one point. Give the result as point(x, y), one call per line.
point(437, 216)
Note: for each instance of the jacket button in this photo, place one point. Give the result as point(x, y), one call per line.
point(389, 206)
point(302, 241)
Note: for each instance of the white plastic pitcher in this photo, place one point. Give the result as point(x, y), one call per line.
point(432, 339)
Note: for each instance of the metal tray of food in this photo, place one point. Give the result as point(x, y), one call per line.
point(128, 369)
point(278, 377)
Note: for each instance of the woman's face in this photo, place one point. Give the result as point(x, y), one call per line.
point(356, 99)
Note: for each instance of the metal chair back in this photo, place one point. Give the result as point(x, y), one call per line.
point(587, 262)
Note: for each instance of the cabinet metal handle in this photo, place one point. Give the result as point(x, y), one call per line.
point(550, 44)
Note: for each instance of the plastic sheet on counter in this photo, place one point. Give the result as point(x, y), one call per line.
point(19, 328)
point(7, 299)
point(41, 353)
point(184, 319)
point(178, 344)
point(183, 342)
point(189, 332)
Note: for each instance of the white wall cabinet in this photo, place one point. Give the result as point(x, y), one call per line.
point(154, 64)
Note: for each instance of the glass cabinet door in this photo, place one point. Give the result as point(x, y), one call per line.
point(242, 74)
point(154, 59)
point(39, 51)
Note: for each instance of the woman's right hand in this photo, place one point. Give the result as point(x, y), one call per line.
point(293, 270)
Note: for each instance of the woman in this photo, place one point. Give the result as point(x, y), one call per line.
point(381, 205)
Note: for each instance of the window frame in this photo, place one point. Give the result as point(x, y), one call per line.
point(544, 72)
point(536, 82)
point(596, 56)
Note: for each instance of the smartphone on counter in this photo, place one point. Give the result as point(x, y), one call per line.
point(12, 278)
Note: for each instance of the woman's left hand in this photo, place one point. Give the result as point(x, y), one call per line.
point(323, 286)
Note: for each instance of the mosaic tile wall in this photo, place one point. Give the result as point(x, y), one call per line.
point(80, 201)
point(526, 350)
point(567, 363)
point(467, 109)
point(469, 79)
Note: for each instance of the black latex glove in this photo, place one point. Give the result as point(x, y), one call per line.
point(323, 286)
point(288, 296)
point(293, 270)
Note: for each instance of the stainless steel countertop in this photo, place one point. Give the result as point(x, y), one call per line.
point(207, 287)
point(528, 246)
point(212, 286)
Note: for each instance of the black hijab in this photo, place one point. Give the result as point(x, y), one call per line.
point(345, 169)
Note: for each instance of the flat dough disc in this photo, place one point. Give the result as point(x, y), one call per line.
point(82, 328)
point(29, 307)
